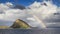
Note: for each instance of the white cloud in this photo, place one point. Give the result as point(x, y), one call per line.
point(8, 13)
point(42, 11)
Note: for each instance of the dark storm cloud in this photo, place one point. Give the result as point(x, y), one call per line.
point(54, 18)
point(19, 7)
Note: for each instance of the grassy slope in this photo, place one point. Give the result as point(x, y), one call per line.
point(4, 27)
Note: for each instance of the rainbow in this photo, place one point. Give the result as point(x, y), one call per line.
point(42, 24)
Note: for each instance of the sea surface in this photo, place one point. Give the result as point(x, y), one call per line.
point(31, 31)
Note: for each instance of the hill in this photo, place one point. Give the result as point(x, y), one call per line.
point(20, 24)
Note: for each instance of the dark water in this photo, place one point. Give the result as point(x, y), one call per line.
point(30, 31)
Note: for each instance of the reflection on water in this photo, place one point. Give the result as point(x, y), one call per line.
point(31, 31)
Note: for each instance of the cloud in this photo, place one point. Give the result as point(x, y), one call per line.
point(45, 12)
point(19, 7)
point(9, 14)
point(36, 14)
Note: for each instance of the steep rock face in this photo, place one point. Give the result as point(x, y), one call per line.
point(20, 24)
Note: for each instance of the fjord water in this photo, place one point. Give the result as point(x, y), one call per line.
point(31, 31)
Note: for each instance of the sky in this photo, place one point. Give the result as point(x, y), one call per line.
point(28, 2)
point(36, 13)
